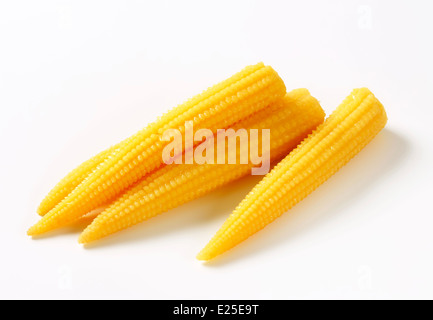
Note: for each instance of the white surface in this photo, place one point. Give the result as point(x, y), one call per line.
point(77, 76)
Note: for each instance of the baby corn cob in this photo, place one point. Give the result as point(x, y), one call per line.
point(75, 177)
point(348, 130)
point(72, 180)
point(290, 120)
point(219, 107)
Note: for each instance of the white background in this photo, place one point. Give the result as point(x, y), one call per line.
point(78, 76)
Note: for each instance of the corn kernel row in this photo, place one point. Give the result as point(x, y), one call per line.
point(245, 93)
point(290, 120)
point(348, 130)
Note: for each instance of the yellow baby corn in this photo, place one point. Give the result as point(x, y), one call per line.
point(348, 130)
point(72, 180)
point(218, 107)
point(290, 120)
point(75, 177)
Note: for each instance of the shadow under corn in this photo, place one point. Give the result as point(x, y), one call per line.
point(379, 160)
point(190, 215)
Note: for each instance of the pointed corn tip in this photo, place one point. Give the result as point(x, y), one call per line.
point(201, 257)
point(40, 227)
point(204, 255)
point(83, 239)
point(32, 231)
point(39, 211)
point(91, 233)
